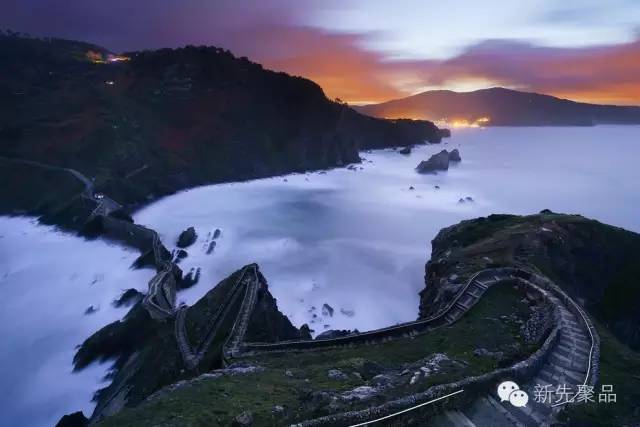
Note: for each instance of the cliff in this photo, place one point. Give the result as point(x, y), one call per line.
point(170, 119)
point(596, 264)
point(150, 354)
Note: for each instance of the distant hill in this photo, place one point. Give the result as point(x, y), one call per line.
point(503, 107)
point(153, 122)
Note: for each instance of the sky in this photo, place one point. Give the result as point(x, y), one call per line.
point(366, 51)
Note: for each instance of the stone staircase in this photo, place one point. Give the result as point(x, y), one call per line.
point(568, 363)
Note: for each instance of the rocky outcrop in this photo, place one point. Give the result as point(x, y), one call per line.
point(327, 310)
point(405, 150)
point(187, 238)
point(152, 353)
point(454, 156)
point(267, 323)
point(129, 297)
point(154, 148)
point(437, 162)
point(76, 419)
point(596, 264)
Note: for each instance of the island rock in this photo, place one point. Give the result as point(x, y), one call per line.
point(437, 162)
point(187, 238)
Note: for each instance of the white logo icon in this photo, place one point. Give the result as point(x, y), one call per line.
point(508, 391)
point(518, 398)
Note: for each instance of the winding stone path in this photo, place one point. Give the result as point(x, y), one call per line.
point(569, 355)
point(569, 362)
point(160, 299)
point(247, 281)
point(104, 205)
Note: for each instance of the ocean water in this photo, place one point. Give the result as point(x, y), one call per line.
point(47, 280)
point(356, 240)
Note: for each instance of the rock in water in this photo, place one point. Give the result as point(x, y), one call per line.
point(454, 156)
point(348, 313)
point(128, 297)
point(181, 254)
point(77, 419)
point(305, 332)
point(187, 238)
point(445, 133)
point(327, 310)
point(437, 162)
point(405, 150)
point(190, 278)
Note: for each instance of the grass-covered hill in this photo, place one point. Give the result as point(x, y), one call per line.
point(596, 263)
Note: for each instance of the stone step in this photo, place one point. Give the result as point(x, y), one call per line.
point(482, 285)
point(482, 413)
point(535, 411)
point(574, 342)
point(568, 375)
point(468, 299)
point(568, 351)
point(459, 419)
point(577, 331)
point(517, 418)
point(461, 306)
point(568, 364)
point(442, 420)
point(556, 356)
point(577, 341)
point(545, 377)
point(474, 292)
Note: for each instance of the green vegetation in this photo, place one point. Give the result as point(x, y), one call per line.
point(299, 381)
point(174, 118)
point(593, 262)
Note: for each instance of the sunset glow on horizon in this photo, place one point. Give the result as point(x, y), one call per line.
point(372, 51)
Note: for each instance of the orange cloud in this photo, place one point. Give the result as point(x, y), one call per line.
point(607, 74)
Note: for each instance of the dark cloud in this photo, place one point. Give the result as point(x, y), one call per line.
point(271, 32)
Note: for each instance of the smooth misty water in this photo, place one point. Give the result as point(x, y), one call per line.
point(359, 240)
point(355, 240)
point(48, 279)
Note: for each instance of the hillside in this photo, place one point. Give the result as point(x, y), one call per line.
point(502, 107)
point(150, 123)
point(595, 263)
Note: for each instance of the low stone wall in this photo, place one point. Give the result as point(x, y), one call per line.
point(545, 283)
point(129, 233)
point(370, 337)
point(475, 386)
point(472, 386)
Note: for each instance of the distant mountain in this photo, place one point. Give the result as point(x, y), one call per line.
point(150, 123)
point(502, 107)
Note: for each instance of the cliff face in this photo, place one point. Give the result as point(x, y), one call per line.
point(168, 119)
point(149, 353)
point(596, 264)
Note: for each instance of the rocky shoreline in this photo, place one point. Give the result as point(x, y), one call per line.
point(239, 318)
